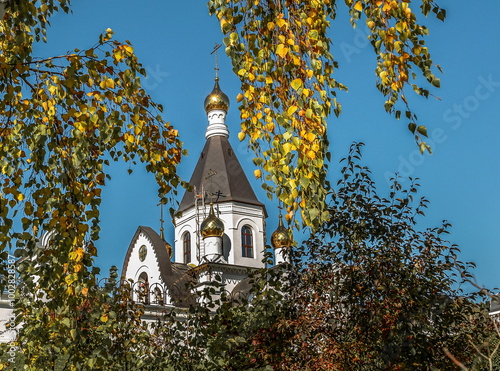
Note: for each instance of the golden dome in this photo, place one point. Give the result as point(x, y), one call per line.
point(216, 99)
point(212, 226)
point(281, 237)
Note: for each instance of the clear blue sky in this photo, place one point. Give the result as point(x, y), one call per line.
point(173, 40)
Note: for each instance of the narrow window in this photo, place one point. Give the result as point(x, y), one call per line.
point(246, 242)
point(158, 296)
point(186, 247)
point(143, 291)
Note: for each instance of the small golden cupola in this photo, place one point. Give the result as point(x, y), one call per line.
point(212, 226)
point(281, 236)
point(217, 99)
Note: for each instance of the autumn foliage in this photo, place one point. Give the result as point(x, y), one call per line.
point(282, 53)
point(370, 291)
point(366, 291)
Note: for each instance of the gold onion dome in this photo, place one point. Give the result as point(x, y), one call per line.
point(281, 236)
point(216, 99)
point(212, 226)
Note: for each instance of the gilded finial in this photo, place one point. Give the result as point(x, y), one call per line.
point(281, 236)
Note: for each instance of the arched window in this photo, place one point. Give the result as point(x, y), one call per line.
point(246, 242)
point(186, 247)
point(143, 289)
point(158, 296)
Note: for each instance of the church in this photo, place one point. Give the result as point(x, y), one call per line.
point(219, 232)
point(219, 228)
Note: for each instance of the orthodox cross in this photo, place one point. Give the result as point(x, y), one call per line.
point(280, 208)
point(218, 194)
point(216, 47)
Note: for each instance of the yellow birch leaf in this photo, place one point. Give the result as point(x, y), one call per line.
point(291, 110)
point(383, 76)
point(280, 22)
point(118, 55)
point(257, 173)
point(78, 254)
point(296, 84)
point(110, 84)
point(310, 137)
point(282, 51)
point(287, 147)
point(358, 6)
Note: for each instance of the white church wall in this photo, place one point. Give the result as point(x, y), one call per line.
point(234, 215)
point(186, 223)
point(149, 266)
point(231, 279)
point(254, 218)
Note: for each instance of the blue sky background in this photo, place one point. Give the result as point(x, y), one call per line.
point(173, 40)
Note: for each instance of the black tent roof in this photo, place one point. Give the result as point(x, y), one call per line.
point(220, 176)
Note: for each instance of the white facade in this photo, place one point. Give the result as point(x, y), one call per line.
point(235, 216)
point(143, 269)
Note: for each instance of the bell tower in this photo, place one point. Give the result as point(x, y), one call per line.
point(219, 179)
